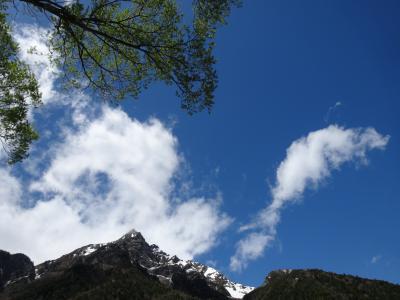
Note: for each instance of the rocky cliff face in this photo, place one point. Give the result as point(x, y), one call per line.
point(127, 267)
point(15, 267)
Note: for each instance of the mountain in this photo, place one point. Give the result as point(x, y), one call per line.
point(317, 284)
point(15, 267)
point(128, 268)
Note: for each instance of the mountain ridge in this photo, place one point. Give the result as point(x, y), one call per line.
point(189, 277)
point(130, 268)
point(318, 284)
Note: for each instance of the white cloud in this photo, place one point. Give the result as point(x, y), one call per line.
point(10, 189)
point(249, 248)
point(34, 51)
point(99, 175)
point(309, 160)
point(110, 176)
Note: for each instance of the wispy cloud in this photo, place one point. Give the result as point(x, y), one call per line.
point(331, 110)
point(309, 160)
point(376, 259)
point(249, 248)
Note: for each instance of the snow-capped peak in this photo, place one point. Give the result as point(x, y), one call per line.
point(161, 264)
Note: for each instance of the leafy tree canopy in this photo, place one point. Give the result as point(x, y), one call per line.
point(117, 48)
point(18, 91)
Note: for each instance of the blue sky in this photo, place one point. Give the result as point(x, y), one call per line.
point(286, 69)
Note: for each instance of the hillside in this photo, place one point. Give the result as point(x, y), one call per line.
point(317, 284)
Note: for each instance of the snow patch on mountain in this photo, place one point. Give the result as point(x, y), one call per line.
point(236, 290)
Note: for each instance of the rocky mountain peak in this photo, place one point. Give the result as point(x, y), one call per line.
point(131, 251)
point(132, 235)
point(178, 273)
